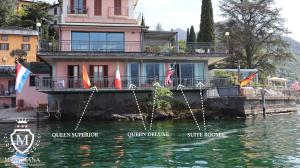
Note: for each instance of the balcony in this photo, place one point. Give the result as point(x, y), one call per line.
point(163, 47)
point(114, 12)
point(78, 11)
point(107, 83)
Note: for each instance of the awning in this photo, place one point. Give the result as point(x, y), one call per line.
point(159, 35)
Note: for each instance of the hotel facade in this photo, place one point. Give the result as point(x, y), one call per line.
point(104, 34)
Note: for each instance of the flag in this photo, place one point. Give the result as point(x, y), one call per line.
point(22, 74)
point(85, 78)
point(168, 80)
point(118, 82)
point(247, 80)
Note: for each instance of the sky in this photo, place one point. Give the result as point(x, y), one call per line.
point(184, 13)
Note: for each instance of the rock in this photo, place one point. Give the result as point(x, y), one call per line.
point(119, 117)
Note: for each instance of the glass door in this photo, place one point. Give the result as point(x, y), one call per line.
point(73, 76)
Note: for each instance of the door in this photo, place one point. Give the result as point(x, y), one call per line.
point(118, 7)
point(99, 75)
point(73, 76)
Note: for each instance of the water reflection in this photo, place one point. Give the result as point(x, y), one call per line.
point(274, 142)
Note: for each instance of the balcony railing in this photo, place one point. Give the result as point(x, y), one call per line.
point(107, 83)
point(8, 92)
point(118, 11)
point(132, 46)
point(80, 10)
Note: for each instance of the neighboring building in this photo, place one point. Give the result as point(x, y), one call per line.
point(21, 4)
point(56, 10)
point(29, 97)
point(102, 34)
point(12, 38)
point(7, 87)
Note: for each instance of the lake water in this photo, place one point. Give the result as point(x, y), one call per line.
point(274, 142)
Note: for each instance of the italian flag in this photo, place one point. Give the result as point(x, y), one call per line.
point(85, 78)
point(118, 82)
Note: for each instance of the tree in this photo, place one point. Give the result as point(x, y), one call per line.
point(7, 9)
point(37, 12)
point(207, 30)
point(188, 35)
point(143, 21)
point(192, 37)
point(256, 30)
point(19, 55)
point(158, 27)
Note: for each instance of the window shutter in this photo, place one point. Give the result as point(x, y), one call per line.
point(84, 6)
point(91, 71)
point(72, 6)
point(98, 7)
point(105, 70)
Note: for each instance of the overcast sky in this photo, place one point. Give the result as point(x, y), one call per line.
point(184, 13)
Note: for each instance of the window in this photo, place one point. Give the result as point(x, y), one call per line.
point(55, 11)
point(98, 7)
point(134, 73)
point(32, 80)
point(98, 41)
point(25, 47)
point(152, 70)
point(26, 38)
point(4, 37)
point(187, 71)
point(4, 46)
point(118, 7)
point(78, 6)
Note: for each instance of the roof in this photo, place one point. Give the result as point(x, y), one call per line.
point(159, 35)
point(18, 31)
point(38, 67)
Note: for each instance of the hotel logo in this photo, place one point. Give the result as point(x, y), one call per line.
point(22, 139)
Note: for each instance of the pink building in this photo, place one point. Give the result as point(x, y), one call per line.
point(30, 98)
point(102, 34)
point(7, 91)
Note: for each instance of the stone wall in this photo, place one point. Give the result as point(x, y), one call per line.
point(104, 104)
point(241, 106)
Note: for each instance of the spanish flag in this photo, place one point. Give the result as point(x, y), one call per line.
point(85, 78)
point(247, 80)
point(118, 82)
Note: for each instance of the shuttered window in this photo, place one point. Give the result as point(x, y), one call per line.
point(98, 7)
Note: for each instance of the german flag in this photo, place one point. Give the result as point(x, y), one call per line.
point(247, 80)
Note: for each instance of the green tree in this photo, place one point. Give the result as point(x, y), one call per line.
point(188, 35)
point(207, 30)
point(163, 98)
point(192, 37)
point(37, 12)
point(143, 21)
point(6, 11)
point(256, 30)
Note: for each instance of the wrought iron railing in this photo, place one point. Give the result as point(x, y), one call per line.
point(132, 46)
point(62, 83)
point(79, 10)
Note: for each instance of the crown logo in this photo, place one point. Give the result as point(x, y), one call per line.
point(22, 121)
